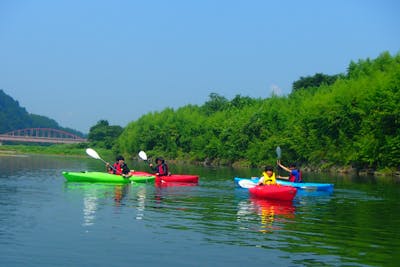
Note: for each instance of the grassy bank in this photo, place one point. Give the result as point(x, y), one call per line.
point(76, 150)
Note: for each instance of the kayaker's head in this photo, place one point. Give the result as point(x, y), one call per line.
point(269, 170)
point(120, 158)
point(292, 166)
point(159, 160)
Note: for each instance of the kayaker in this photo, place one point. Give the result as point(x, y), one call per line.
point(294, 173)
point(161, 169)
point(268, 177)
point(119, 167)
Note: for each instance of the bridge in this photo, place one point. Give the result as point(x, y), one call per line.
point(42, 135)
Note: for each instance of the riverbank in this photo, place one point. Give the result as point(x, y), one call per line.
point(12, 150)
point(323, 168)
point(73, 150)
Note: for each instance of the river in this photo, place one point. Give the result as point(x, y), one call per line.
point(46, 221)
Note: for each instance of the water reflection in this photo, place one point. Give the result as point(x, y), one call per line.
point(96, 196)
point(89, 210)
point(91, 195)
point(271, 213)
point(120, 191)
point(141, 202)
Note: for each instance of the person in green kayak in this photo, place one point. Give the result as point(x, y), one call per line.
point(268, 177)
point(294, 173)
point(161, 169)
point(119, 167)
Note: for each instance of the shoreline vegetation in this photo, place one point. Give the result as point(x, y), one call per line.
point(79, 151)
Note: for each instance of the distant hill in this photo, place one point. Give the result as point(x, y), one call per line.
point(14, 117)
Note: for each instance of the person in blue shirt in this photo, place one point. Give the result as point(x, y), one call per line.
point(294, 173)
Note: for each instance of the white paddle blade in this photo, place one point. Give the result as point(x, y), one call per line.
point(142, 155)
point(247, 183)
point(92, 153)
point(278, 152)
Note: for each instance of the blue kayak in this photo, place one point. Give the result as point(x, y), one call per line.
point(303, 186)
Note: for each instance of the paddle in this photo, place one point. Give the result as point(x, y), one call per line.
point(246, 183)
point(142, 155)
point(278, 152)
point(278, 155)
point(91, 152)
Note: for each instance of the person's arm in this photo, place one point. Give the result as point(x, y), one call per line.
point(282, 177)
point(152, 168)
point(125, 169)
point(283, 167)
point(109, 168)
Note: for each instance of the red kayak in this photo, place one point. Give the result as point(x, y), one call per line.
point(278, 192)
point(179, 178)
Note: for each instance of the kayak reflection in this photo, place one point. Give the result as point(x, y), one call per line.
point(120, 191)
point(169, 184)
point(272, 211)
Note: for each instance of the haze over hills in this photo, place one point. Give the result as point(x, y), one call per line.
point(14, 117)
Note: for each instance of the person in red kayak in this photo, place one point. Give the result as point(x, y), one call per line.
point(119, 167)
point(161, 169)
point(294, 173)
point(268, 177)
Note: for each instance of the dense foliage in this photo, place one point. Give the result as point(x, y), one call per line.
point(315, 81)
point(104, 135)
point(14, 117)
point(351, 119)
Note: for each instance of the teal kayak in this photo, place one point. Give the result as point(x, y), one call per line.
point(103, 177)
point(302, 186)
point(308, 186)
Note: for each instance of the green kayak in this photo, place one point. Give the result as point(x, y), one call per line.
point(104, 177)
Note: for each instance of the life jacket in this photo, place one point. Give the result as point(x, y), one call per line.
point(295, 176)
point(119, 169)
point(268, 180)
point(162, 169)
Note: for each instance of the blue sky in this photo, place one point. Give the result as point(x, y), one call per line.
point(82, 61)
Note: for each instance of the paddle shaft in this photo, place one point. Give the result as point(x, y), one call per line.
point(278, 156)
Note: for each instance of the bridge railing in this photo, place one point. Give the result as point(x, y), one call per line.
point(42, 135)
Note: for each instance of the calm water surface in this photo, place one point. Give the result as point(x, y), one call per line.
point(46, 221)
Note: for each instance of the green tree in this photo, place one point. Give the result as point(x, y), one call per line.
point(315, 81)
point(103, 135)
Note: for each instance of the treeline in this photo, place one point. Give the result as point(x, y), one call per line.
point(350, 119)
point(14, 117)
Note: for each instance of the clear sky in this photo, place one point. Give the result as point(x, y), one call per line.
point(80, 61)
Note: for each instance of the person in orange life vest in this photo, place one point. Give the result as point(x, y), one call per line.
point(161, 169)
point(119, 167)
point(268, 177)
point(294, 173)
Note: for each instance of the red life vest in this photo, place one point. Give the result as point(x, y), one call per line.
point(117, 169)
point(295, 176)
point(162, 169)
